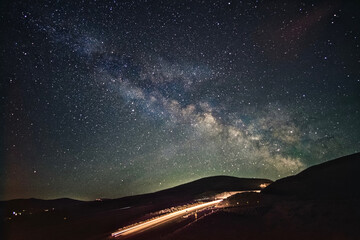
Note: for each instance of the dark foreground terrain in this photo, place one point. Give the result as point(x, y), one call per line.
point(322, 202)
point(260, 216)
point(71, 219)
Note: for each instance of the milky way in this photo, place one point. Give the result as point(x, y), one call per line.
point(115, 98)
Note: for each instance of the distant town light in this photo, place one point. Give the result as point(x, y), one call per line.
point(264, 185)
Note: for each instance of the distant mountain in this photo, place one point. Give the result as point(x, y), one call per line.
point(217, 184)
point(97, 219)
point(203, 187)
point(34, 202)
point(208, 186)
point(337, 178)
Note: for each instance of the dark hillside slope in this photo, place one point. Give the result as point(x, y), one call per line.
point(168, 197)
point(189, 191)
point(217, 184)
point(72, 219)
point(333, 179)
point(40, 203)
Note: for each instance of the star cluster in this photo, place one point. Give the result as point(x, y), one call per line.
point(115, 98)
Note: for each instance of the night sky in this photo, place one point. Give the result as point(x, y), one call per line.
point(114, 98)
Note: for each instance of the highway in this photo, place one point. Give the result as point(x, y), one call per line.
point(149, 224)
point(137, 228)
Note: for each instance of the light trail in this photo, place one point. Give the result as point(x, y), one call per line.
point(170, 216)
point(161, 219)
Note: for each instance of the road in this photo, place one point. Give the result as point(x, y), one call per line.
point(171, 216)
point(162, 219)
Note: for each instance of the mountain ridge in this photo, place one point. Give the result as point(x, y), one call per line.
point(335, 179)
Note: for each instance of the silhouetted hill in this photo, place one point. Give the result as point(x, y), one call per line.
point(72, 219)
point(39, 203)
point(182, 193)
point(187, 192)
point(217, 184)
point(333, 179)
point(321, 202)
